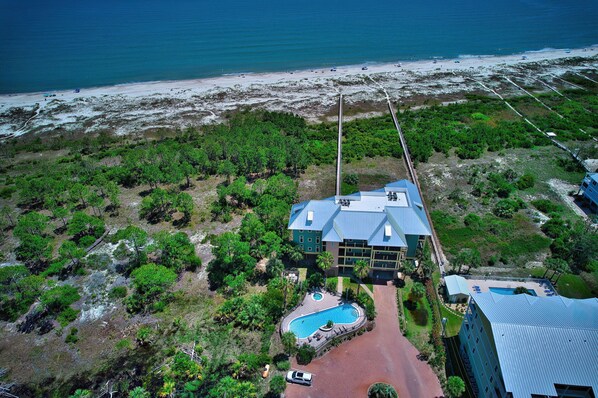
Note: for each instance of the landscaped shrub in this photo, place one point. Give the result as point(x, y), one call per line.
point(277, 385)
point(436, 334)
point(382, 390)
point(283, 365)
point(305, 354)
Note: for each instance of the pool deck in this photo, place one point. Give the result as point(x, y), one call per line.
point(382, 355)
point(485, 284)
point(310, 306)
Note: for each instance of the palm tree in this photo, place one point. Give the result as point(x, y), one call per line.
point(361, 270)
point(296, 255)
point(325, 261)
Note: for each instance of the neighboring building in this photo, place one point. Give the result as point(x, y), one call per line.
point(457, 290)
point(382, 227)
point(589, 187)
point(523, 346)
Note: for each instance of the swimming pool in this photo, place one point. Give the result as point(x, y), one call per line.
point(317, 296)
point(508, 291)
point(306, 325)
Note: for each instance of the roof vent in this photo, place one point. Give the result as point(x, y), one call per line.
point(310, 215)
point(387, 231)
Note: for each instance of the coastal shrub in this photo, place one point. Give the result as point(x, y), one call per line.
point(305, 354)
point(72, 337)
point(547, 206)
point(60, 297)
point(526, 181)
point(118, 292)
point(66, 316)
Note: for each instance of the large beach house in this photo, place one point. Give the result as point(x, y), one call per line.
point(521, 346)
point(589, 187)
point(382, 227)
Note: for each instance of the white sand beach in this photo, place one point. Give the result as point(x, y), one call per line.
point(138, 107)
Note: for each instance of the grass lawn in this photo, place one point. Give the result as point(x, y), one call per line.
point(418, 321)
point(453, 323)
point(568, 285)
point(350, 283)
point(332, 278)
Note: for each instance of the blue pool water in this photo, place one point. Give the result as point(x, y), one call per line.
point(317, 296)
point(308, 324)
point(507, 291)
point(65, 44)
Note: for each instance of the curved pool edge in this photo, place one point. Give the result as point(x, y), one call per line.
point(287, 327)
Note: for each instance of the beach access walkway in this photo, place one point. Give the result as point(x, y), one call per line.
point(382, 355)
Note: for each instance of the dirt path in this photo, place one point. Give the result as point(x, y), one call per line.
point(380, 355)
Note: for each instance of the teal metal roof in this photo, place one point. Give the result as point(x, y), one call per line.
point(543, 341)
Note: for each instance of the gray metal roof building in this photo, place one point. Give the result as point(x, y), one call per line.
point(541, 344)
point(382, 217)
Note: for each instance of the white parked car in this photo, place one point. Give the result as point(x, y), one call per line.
point(299, 377)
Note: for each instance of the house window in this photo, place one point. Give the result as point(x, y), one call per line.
point(317, 239)
point(309, 239)
point(317, 249)
point(309, 248)
point(301, 239)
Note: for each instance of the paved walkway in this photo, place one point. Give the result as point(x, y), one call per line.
point(380, 355)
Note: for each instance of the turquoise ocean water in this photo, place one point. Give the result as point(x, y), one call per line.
point(65, 44)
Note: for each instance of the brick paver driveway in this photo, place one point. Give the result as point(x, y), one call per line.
point(380, 355)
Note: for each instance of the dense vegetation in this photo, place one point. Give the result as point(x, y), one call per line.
point(57, 207)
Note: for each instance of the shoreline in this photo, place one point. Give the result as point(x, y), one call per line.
point(309, 93)
point(531, 55)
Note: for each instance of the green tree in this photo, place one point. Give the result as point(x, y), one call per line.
point(325, 261)
point(418, 291)
point(289, 342)
point(82, 225)
point(274, 267)
point(156, 206)
point(32, 223)
point(79, 192)
point(231, 388)
point(176, 251)
point(7, 213)
point(151, 280)
point(361, 270)
point(455, 386)
point(59, 297)
point(69, 250)
point(139, 392)
point(296, 255)
point(112, 191)
point(97, 202)
point(137, 238)
point(227, 168)
point(469, 257)
point(184, 204)
point(81, 394)
point(61, 213)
